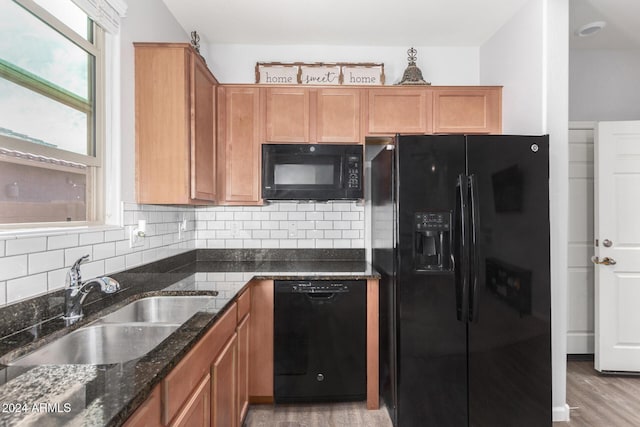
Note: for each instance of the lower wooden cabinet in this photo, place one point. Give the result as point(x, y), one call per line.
point(148, 414)
point(224, 386)
point(196, 412)
point(261, 338)
point(243, 368)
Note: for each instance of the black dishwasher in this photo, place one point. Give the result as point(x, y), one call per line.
point(320, 330)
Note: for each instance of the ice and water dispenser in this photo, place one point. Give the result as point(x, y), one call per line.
point(432, 241)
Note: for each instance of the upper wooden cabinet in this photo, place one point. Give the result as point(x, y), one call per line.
point(175, 125)
point(287, 114)
point(399, 110)
point(338, 115)
point(239, 145)
point(467, 110)
point(435, 109)
point(312, 115)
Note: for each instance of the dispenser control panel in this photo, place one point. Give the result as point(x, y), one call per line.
point(432, 241)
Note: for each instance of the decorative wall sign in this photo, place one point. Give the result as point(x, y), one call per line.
point(320, 73)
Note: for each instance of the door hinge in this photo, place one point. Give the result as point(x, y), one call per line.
point(597, 243)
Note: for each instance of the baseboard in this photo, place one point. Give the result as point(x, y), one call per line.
point(561, 413)
point(580, 343)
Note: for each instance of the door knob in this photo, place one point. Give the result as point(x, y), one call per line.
point(605, 261)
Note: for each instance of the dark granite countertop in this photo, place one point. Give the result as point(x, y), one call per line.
point(106, 395)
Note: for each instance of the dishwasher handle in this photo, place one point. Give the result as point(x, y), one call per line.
point(320, 296)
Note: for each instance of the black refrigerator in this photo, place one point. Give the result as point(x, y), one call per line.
point(460, 236)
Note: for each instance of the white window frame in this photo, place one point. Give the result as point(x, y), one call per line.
point(95, 200)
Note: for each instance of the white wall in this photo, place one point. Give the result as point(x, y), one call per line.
point(604, 84)
point(513, 58)
point(439, 65)
point(529, 57)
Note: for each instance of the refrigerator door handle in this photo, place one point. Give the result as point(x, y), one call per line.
point(462, 246)
point(474, 259)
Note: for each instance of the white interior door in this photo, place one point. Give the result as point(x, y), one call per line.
point(617, 250)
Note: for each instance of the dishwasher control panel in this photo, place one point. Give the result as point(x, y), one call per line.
point(322, 287)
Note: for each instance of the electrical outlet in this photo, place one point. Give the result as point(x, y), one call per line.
point(292, 227)
point(135, 240)
point(182, 228)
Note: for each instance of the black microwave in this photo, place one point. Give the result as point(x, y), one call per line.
point(311, 172)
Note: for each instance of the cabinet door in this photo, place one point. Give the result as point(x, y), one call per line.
point(240, 163)
point(287, 114)
point(196, 412)
point(148, 414)
point(467, 110)
point(203, 119)
point(338, 116)
point(162, 124)
point(243, 368)
point(261, 342)
point(399, 110)
point(224, 386)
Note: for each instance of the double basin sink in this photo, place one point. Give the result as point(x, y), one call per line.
point(126, 334)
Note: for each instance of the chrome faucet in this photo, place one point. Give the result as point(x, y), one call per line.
point(76, 291)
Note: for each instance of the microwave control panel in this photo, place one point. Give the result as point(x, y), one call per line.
point(353, 172)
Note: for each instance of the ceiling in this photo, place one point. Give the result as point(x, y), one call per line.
point(386, 23)
point(622, 30)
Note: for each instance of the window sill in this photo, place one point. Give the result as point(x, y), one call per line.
point(15, 233)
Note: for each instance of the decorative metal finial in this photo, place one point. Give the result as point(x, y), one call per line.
point(412, 56)
point(412, 74)
point(195, 41)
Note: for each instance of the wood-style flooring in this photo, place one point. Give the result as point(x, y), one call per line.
point(353, 414)
point(601, 400)
point(596, 400)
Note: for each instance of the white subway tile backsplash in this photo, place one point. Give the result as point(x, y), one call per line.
point(104, 250)
point(45, 261)
point(270, 244)
point(315, 234)
point(295, 216)
point(263, 216)
point(114, 265)
point(350, 234)
point(113, 235)
point(306, 244)
point(62, 241)
point(350, 216)
point(341, 243)
point(314, 216)
point(332, 216)
point(25, 245)
point(325, 225)
point(91, 238)
point(305, 207)
point(333, 234)
point(260, 234)
point(275, 225)
point(71, 255)
point(278, 234)
point(233, 244)
point(280, 216)
point(25, 287)
point(56, 279)
point(324, 243)
point(133, 260)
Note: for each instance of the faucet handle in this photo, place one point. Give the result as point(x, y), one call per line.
point(73, 275)
point(81, 260)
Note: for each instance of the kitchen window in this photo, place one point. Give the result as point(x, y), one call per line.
point(51, 114)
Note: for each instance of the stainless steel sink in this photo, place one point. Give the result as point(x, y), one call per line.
point(100, 344)
point(169, 309)
point(126, 334)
